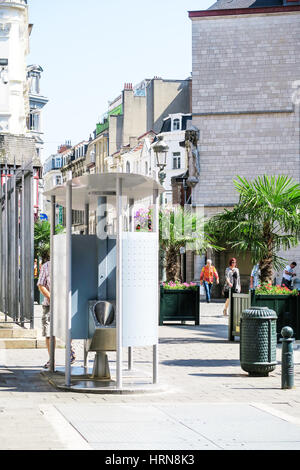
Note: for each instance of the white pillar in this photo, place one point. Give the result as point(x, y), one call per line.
point(68, 283)
point(119, 325)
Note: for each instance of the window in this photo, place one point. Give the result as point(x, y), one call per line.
point(34, 121)
point(146, 168)
point(166, 127)
point(93, 154)
point(185, 120)
point(58, 180)
point(127, 167)
point(176, 125)
point(176, 161)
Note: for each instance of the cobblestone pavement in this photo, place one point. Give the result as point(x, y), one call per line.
point(197, 365)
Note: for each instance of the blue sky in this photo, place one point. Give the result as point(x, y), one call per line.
point(90, 48)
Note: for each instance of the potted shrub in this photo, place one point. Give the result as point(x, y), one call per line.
point(265, 221)
point(178, 228)
point(283, 301)
point(179, 302)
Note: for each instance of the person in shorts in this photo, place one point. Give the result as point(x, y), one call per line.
point(44, 285)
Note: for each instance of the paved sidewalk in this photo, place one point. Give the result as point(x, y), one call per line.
point(209, 402)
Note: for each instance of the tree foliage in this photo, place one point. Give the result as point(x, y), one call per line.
point(42, 238)
point(265, 221)
point(182, 228)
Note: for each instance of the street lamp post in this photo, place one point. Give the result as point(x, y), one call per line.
point(161, 149)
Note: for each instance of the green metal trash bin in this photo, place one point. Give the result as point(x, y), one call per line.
point(258, 340)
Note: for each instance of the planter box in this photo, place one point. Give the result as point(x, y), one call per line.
point(179, 305)
point(286, 307)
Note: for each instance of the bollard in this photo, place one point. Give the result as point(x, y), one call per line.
point(287, 363)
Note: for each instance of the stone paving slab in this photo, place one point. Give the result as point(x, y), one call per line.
point(195, 426)
point(199, 367)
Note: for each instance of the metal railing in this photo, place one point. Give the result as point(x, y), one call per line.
point(16, 244)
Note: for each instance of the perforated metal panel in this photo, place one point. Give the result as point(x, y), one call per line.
point(140, 289)
point(58, 286)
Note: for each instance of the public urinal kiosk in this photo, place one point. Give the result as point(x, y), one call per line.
point(106, 286)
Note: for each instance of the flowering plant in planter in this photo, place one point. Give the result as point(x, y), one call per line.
point(179, 286)
point(143, 220)
point(268, 289)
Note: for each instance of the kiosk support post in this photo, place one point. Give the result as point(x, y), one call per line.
point(155, 228)
point(86, 232)
point(68, 283)
point(119, 322)
point(6, 215)
point(131, 229)
point(52, 233)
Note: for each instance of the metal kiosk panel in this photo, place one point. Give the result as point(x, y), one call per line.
point(140, 292)
point(124, 264)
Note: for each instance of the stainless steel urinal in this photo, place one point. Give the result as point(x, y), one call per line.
point(102, 335)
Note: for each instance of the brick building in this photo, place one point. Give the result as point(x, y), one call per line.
point(246, 69)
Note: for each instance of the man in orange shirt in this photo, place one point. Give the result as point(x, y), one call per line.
point(207, 278)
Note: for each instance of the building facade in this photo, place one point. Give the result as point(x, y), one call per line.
point(246, 71)
point(20, 139)
point(16, 145)
point(173, 134)
point(35, 129)
point(14, 43)
point(36, 103)
point(52, 177)
point(140, 158)
point(74, 166)
point(137, 110)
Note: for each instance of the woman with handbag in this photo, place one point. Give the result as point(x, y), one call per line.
point(232, 281)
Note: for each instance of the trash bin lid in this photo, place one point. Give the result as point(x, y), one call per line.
point(259, 313)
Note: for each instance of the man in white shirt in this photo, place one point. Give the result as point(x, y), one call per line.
point(288, 274)
point(255, 277)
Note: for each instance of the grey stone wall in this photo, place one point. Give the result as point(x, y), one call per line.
point(245, 145)
point(245, 63)
point(244, 68)
point(18, 149)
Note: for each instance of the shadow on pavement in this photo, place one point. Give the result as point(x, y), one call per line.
point(202, 363)
point(200, 334)
point(191, 341)
point(18, 379)
point(218, 375)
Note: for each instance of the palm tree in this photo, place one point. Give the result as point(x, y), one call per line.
point(181, 228)
point(42, 238)
point(265, 221)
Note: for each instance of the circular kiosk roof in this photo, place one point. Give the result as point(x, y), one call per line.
point(86, 189)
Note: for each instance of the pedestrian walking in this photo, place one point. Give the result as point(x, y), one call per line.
point(35, 269)
point(255, 277)
point(232, 281)
point(288, 275)
point(207, 276)
point(44, 285)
